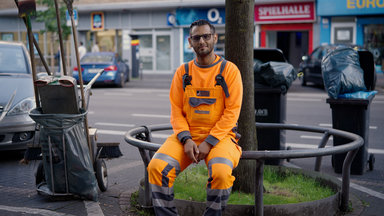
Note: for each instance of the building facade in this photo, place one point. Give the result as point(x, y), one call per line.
point(152, 34)
point(359, 22)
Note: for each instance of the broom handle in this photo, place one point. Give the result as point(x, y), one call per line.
point(74, 32)
point(39, 51)
point(60, 39)
point(32, 56)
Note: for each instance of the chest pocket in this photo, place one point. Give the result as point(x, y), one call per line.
point(203, 110)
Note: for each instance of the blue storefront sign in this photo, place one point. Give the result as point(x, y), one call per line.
point(186, 16)
point(349, 7)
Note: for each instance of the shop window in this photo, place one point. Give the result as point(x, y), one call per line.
point(343, 35)
point(7, 37)
point(374, 42)
point(146, 55)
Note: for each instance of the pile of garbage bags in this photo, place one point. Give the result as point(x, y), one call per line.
point(274, 74)
point(343, 75)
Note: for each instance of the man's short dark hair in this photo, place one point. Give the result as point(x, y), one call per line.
point(202, 22)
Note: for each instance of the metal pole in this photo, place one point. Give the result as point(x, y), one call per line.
point(259, 206)
point(61, 38)
point(322, 144)
point(147, 189)
point(346, 174)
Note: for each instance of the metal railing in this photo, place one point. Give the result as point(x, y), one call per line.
point(141, 138)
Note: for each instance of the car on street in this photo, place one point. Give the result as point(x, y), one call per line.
point(310, 67)
point(17, 129)
point(116, 71)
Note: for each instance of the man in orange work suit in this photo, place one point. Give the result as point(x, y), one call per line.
point(205, 95)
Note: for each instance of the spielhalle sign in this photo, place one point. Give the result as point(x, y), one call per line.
point(285, 12)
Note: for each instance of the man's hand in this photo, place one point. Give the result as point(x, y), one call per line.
point(204, 149)
point(191, 150)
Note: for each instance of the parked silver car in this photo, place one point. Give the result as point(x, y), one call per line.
point(16, 97)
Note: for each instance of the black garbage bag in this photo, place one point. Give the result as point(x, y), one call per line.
point(64, 133)
point(274, 74)
point(342, 72)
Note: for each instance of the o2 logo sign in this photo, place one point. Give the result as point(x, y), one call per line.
point(213, 16)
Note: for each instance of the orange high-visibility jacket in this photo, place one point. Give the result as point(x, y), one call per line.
point(204, 76)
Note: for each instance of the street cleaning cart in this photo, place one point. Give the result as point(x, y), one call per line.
point(72, 162)
point(69, 166)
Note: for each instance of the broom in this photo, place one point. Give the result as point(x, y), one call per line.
point(109, 150)
point(33, 151)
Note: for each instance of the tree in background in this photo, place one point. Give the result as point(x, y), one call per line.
point(239, 19)
point(48, 17)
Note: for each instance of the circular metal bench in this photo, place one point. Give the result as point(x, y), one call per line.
point(141, 137)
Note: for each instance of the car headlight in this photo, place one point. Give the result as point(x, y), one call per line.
point(23, 107)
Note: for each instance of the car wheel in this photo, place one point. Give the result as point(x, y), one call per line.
point(101, 174)
point(122, 81)
point(127, 79)
point(303, 80)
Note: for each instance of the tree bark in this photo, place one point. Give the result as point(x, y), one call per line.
point(239, 31)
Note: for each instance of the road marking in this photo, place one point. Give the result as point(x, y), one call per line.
point(123, 167)
point(114, 124)
point(311, 95)
point(111, 132)
point(366, 190)
point(117, 94)
point(163, 95)
point(314, 137)
point(35, 211)
point(93, 208)
point(122, 133)
point(151, 115)
point(304, 99)
point(330, 125)
point(91, 112)
point(311, 146)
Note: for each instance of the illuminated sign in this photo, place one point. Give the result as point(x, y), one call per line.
point(285, 12)
point(97, 21)
point(350, 7)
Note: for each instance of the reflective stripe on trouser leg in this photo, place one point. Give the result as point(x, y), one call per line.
point(162, 192)
point(220, 171)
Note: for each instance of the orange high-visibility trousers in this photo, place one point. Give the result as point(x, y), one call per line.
point(170, 160)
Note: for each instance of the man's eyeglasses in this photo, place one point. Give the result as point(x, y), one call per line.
point(196, 38)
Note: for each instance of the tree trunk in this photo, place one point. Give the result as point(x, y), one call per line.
point(239, 31)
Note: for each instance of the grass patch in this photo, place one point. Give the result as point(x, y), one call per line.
point(281, 187)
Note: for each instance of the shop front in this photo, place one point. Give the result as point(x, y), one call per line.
point(113, 31)
point(359, 22)
point(184, 18)
point(286, 26)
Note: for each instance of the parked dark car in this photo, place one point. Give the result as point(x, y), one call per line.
point(116, 70)
point(16, 97)
point(311, 65)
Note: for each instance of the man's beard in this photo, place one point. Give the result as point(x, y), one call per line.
point(204, 53)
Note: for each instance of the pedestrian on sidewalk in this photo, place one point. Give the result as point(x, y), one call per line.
point(95, 47)
point(82, 50)
point(205, 95)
